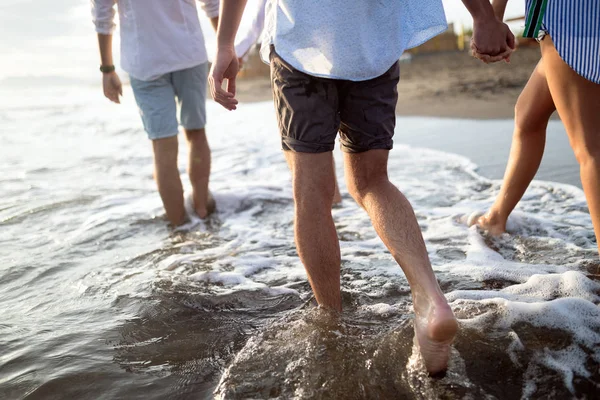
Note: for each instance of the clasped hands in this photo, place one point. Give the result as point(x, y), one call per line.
point(492, 41)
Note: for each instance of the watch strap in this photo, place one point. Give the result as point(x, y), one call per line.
point(105, 69)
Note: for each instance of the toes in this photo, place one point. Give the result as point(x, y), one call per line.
point(474, 218)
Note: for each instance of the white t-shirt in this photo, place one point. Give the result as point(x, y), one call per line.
point(348, 39)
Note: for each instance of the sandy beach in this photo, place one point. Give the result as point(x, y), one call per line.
point(457, 86)
point(451, 85)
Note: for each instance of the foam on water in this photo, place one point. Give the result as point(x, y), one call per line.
point(528, 302)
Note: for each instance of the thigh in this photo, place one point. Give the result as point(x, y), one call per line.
point(368, 112)
point(535, 104)
point(306, 108)
point(156, 103)
point(577, 99)
point(190, 89)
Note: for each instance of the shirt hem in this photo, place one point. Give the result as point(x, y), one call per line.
point(558, 44)
point(418, 39)
point(169, 70)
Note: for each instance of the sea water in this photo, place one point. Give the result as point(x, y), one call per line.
point(99, 299)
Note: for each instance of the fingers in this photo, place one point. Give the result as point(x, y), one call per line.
point(231, 85)
point(505, 55)
point(510, 40)
point(118, 92)
point(490, 58)
point(112, 95)
point(492, 51)
point(224, 98)
point(486, 58)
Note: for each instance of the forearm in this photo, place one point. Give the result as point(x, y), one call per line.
point(499, 7)
point(105, 45)
point(479, 9)
point(230, 17)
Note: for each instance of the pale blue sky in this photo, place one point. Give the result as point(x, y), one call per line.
point(56, 37)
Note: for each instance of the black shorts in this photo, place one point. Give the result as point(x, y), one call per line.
point(311, 110)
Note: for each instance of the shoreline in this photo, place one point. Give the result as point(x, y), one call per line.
point(455, 86)
point(446, 85)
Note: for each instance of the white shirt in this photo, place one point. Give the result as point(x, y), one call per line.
point(348, 39)
point(157, 36)
point(246, 38)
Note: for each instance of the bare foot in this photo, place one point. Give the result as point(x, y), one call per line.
point(435, 329)
point(490, 222)
point(207, 209)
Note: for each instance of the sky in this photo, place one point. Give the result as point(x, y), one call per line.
point(46, 38)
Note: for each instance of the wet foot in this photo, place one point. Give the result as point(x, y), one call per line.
point(204, 211)
point(435, 329)
point(490, 222)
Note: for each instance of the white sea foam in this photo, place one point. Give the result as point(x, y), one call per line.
point(548, 291)
point(535, 276)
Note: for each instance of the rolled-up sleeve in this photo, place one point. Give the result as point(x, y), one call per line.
point(103, 16)
point(210, 7)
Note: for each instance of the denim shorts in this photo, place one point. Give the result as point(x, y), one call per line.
point(159, 99)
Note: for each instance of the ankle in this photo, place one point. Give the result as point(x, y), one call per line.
point(425, 302)
point(495, 217)
point(175, 222)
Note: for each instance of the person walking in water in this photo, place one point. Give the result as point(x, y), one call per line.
point(567, 79)
point(163, 51)
point(329, 76)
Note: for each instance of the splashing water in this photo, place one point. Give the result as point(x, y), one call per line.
point(100, 300)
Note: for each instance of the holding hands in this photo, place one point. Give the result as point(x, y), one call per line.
point(492, 40)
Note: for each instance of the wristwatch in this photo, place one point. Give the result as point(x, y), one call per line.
point(106, 69)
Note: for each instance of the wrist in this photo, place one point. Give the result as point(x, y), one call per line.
point(107, 69)
point(225, 46)
point(485, 15)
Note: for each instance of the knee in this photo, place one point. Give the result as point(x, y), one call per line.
point(588, 151)
point(165, 150)
point(313, 195)
point(528, 122)
point(195, 135)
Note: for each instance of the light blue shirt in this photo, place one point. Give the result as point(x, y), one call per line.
point(348, 39)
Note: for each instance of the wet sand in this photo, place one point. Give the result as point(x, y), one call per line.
point(455, 85)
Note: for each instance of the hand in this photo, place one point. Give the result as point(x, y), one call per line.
point(225, 66)
point(492, 40)
point(490, 59)
point(112, 87)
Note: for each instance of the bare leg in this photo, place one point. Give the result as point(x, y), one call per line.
point(337, 197)
point(313, 181)
point(578, 103)
point(199, 171)
point(167, 178)
point(395, 222)
point(532, 112)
